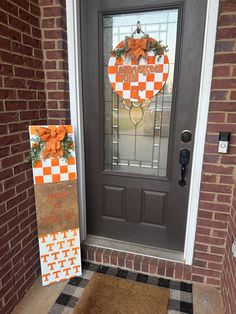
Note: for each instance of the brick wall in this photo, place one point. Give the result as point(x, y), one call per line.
point(54, 39)
point(218, 170)
point(228, 284)
point(22, 102)
point(34, 78)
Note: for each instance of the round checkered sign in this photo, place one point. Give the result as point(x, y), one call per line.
point(140, 81)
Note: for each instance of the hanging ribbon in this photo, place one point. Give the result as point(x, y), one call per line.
point(52, 139)
point(136, 47)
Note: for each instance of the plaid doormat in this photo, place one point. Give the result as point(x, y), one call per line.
point(180, 300)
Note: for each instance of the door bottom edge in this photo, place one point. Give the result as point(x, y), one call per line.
point(133, 248)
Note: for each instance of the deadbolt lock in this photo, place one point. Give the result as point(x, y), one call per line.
point(186, 136)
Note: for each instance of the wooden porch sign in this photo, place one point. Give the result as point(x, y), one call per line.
point(55, 184)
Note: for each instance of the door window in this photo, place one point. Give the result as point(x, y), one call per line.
point(137, 137)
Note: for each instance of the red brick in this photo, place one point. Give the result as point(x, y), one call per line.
point(219, 95)
point(217, 250)
point(208, 257)
point(35, 9)
point(23, 49)
point(209, 240)
point(56, 75)
point(54, 11)
point(10, 33)
point(7, 94)
point(23, 72)
point(36, 32)
point(219, 233)
point(212, 224)
point(225, 58)
point(218, 169)
point(227, 189)
point(213, 281)
point(19, 24)
point(226, 33)
point(203, 231)
point(58, 95)
point(48, 23)
point(49, 45)
point(12, 160)
point(199, 263)
point(29, 115)
point(221, 71)
point(224, 198)
point(223, 84)
point(27, 17)
point(161, 268)
point(224, 45)
point(45, 2)
point(179, 269)
point(205, 214)
point(233, 95)
point(5, 42)
point(214, 206)
point(114, 258)
point(227, 20)
point(33, 42)
point(53, 34)
point(215, 266)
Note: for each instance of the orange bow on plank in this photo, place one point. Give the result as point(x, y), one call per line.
point(137, 47)
point(52, 139)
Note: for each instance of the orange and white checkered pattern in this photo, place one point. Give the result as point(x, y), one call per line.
point(60, 256)
point(146, 85)
point(54, 169)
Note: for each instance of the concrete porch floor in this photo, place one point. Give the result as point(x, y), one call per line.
point(39, 300)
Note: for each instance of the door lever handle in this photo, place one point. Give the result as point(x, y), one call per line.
point(184, 157)
point(182, 181)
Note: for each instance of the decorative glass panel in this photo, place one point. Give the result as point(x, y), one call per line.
point(137, 137)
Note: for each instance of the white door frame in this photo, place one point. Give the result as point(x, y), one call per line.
point(75, 82)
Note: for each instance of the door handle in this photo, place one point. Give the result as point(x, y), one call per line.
point(184, 157)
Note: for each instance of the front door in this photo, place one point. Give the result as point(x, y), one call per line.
point(139, 154)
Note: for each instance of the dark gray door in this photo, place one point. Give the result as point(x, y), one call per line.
point(133, 170)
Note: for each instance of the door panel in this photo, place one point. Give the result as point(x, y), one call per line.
point(151, 201)
point(132, 169)
point(114, 202)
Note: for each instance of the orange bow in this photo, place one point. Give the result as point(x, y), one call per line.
point(137, 47)
point(53, 139)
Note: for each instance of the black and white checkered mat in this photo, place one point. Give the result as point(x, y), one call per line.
point(180, 300)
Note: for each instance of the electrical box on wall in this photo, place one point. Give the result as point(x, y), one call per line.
point(224, 138)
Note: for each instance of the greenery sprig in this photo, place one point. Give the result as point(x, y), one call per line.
point(158, 48)
point(119, 52)
point(37, 146)
point(67, 146)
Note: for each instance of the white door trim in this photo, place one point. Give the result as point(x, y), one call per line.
point(74, 59)
point(201, 126)
point(75, 83)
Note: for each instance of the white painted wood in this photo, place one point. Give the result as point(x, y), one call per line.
point(74, 60)
point(73, 33)
point(201, 126)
